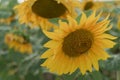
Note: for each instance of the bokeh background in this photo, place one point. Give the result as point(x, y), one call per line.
point(15, 65)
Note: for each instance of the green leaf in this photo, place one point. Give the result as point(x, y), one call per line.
point(5, 13)
point(111, 64)
point(96, 75)
point(71, 76)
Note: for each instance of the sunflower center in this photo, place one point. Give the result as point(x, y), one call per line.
point(48, 8)
point(77, 42)
point(88, 5)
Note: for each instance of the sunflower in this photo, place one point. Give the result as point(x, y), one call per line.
point(90, 4)
point(18, 43)
point(37, 12)
point(78, 45)
point(7, 20)
point(118, 23)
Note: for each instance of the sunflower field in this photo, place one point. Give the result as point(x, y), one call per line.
point(59, 39)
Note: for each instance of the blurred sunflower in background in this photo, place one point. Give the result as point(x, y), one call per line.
point(90, 5)
point(7, 20)
point(37, 12)
point(118, 23)
point(18, 42)
point(78, 45)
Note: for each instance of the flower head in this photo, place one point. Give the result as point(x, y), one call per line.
point(90, 4)
point(37, 12)
point(19, 43)
point(78, 45)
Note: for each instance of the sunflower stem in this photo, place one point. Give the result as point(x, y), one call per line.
point(118, 75)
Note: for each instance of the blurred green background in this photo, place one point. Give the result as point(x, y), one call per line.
point(17, 66)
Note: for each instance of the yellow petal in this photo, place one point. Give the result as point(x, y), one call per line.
point(74, 65)
point(107, 36)
point(82, 64)
point(100, 53)
point(64, 26)
point(83, 19)
point(88, 63)
point(94, 60)
point(91, 18)
point(108, 43)
point(51, 35)
point(99, 29)
point(47, 54)
point(52, 44)
point(72, 23)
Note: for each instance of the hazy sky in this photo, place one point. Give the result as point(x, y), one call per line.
point(20, 1)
